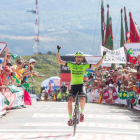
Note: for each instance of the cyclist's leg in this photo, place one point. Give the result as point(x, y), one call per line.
point(70, 100)
point(82, 103)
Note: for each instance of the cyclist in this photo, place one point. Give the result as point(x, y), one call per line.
point(77, 74)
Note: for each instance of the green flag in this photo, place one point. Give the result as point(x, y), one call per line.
point(124, 95)
point(26, 87)
point(87, 73)
point(13, 89)
point(122, 41)
point(14, 56)
point(16, 80)
point(132, 95)
point(120, 95)
point(6, 101)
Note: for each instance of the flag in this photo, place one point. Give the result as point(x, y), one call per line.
point(134, 35)
point(100, 98)
point(122, 41)
point(26, 87)
point(126, 26)
point(16, 80)
point(105, 94)
point(6, 101)
point(14, 56)
point(130, 52)
point(27, 98)
point(87, 73)
point(132, 95)
point(114, 94)
point(13, 88)
point(124, 95)
point(120, 95)
point(102, 21)
point(107, 41)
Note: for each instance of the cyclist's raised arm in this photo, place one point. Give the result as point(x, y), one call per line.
point(100, 62)
point(58, 57)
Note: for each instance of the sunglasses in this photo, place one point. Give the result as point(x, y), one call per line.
point(78, 53)
point(19, 63)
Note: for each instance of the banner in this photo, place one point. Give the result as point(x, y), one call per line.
point(116, 56)
point(19, 98)
point(2, 47)
point(95, 60)
point(133, 48)
point(11, 98)
point(2, 110)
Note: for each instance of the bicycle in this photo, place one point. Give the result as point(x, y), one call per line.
point(76, 112)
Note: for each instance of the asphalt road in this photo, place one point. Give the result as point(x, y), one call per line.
point(48, 120)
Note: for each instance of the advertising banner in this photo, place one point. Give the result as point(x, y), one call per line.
point(95, 60)
point(132, 48)
point(116, 56)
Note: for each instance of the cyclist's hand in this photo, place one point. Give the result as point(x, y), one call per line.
point(58, 48)
point(104, 54)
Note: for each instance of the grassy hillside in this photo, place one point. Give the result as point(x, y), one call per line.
point(46, 65)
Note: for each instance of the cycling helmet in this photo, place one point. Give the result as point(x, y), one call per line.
point(78, 54)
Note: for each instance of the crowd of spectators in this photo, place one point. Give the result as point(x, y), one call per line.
point(57, 95)
point(122, 78)
point(16, 71)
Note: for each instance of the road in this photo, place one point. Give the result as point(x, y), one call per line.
point(48, 120)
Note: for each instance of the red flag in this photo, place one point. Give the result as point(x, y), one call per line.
point(105, 95)
point(114, 94)
point(134, 36)
point(27, 98)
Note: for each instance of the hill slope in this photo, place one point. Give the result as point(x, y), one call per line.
point(46, 64)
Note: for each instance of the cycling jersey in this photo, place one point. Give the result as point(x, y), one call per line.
point(77, 72)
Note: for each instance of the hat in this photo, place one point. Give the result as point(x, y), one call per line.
point(9, 64)
point(31, 60)
point(6, 68)
point(120, 66)
point(137, 82)
point(120, 71)
point(111, 85)
point(8, 55)
point(130, 85)
point(136, 65)
point(128, 62)
point(107, 77)
point(111, 71)
point(95, 81)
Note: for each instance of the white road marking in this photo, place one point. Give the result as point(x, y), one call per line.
point(62, 136)
point(101, 125)
point(86, 116)
point(70, 131)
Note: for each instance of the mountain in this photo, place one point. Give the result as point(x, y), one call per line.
point(59, 22)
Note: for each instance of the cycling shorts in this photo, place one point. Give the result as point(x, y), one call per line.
point(80, 89)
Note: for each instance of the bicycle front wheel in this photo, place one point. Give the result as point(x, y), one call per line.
point(75, 119)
